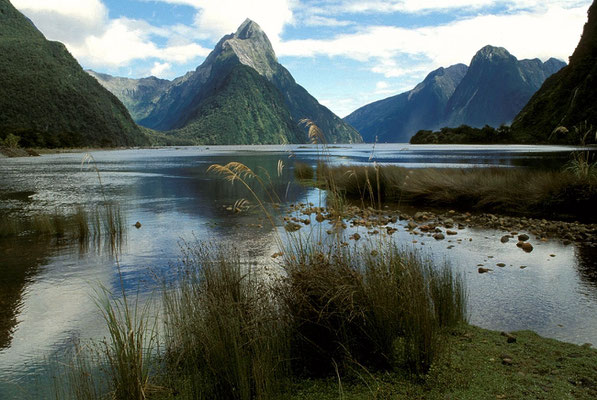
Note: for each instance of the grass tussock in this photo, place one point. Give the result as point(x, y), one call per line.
point(503, 190)
point(105, 222)
point(225, 336)
point(122, 365)
point(380, 309)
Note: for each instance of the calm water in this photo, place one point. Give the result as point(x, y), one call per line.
point(46, 288)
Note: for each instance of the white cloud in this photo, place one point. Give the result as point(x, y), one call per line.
point(90, 10)
point(317, 20)
point(428, 6)
point(395, 51)
point(99, 42)
point(125, 40)
point(216, 18)
point(68, 21)
point(159, 69)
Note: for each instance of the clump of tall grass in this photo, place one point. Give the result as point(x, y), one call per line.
point(376, 308)
point(225, 337)
point(582, 163)
point(129, 346)
point(121, 366)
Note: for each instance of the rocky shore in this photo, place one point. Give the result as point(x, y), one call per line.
point(442, 224)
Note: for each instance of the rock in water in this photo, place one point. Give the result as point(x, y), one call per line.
point(526, 246)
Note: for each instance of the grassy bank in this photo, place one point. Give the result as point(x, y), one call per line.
point(478, 365)
point(546, 194)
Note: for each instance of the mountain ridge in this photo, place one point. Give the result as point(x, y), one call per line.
point(472, 96)
point(183, 101)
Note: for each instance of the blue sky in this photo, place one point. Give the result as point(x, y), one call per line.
point(346, 53)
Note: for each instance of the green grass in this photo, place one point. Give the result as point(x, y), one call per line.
point(472, 369)
point(554, 194)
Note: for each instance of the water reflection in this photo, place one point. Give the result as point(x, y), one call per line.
point(586, 264)
point(20, 263)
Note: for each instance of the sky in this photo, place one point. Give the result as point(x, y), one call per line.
point(346, 53)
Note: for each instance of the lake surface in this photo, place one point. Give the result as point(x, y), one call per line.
point(47, 286)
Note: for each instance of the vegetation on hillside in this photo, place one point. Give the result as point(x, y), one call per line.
point(568, 97)
point(47, 100)
point(465, 134)
point(243, 108)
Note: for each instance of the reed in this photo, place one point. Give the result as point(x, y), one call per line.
point(225, 337)
point(106, 222)
point(129, 346)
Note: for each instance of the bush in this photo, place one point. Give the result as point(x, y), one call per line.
point(11, 141)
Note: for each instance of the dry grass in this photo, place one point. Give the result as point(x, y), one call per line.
point(503, 190)
point(303, 171)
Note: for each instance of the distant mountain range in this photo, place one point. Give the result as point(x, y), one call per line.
point(491, 91)
point(48, 100)
point(569, 97)
point(239, 95)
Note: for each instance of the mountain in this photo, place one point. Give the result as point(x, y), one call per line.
point(138, 95)
point(568, 97)
point(48, 100)
point(265, 106)
point(496, 87)
point(397, 118)
point(489, 92)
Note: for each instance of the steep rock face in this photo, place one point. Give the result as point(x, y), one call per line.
point(178, 108)
point(47, 99)
point(495, 88)
point(138, 95)
point(568, 97)
point(397, 118)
